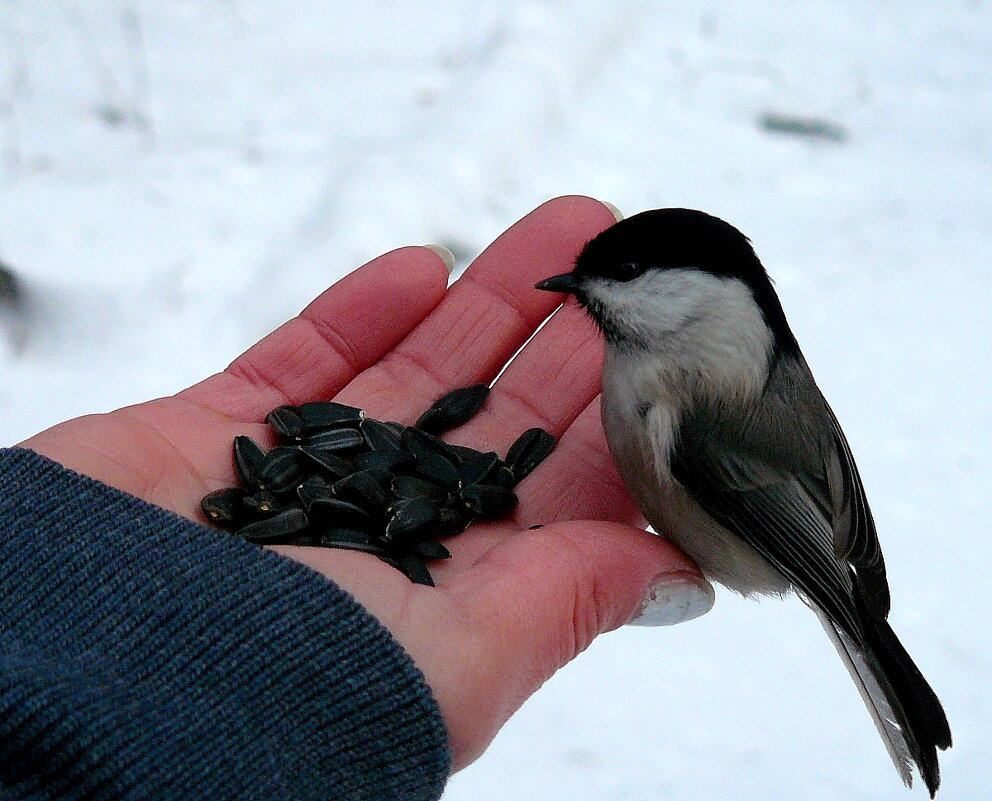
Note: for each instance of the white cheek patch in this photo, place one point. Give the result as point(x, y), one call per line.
point(693, 322)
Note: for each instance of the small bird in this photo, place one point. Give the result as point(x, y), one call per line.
point(730, 450)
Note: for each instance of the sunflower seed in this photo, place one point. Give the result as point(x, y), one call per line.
point(326, 414)
point(248, 459)
point(263, 503)
point(285, 421)
point(431, 550)
point(502, 476)
point(334, 439)
point(348, 545)
point(411, 520)
point(313, 488)
point(413, 487)
point(363, 489)
point(334, 465)
point(385, 459)
point(379, 436)
point(415, 569)
point(437, 469)
point(529, 451)
point(475, 469)
point(488, 499)
point(281, 525)
point(224, 505)
point(281, 469)
point(308, 494)
point(342, 536)
point(341, 513)
point(452, 520)
point(420, 442)
point(462, 452)
point(453, 409)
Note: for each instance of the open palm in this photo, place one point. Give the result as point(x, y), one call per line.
point(515, 604)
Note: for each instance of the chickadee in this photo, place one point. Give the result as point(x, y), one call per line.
point(724, 440)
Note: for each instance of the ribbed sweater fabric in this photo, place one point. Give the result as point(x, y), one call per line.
point(145, 656)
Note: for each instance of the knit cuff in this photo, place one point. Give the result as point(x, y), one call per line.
point(143, 655)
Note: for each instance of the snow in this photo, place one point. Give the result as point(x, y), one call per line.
point(177, 178)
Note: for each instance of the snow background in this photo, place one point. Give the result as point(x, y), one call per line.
point(176, 178)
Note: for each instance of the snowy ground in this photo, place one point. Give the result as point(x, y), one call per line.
point(175, 178)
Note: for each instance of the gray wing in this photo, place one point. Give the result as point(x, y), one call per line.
point(791, 490)
point(855, 538)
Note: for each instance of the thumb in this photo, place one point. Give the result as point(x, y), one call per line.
point(541, 597)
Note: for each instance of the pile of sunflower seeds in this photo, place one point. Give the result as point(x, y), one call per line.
point(340, 479)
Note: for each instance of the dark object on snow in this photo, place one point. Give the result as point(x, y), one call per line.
point(808, 127)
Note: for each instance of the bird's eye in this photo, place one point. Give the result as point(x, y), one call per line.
point(628, 271)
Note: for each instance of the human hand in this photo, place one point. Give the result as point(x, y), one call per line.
point(512, 605)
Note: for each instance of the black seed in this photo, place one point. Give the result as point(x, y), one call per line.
point(475, 469)
point(502, 476)
point(437, 469)
point(345, 534)
point(453, 409)
point(341, 513)
point(326, 414)
point(282, 469)
point(276, 527)
point(452, 521)
point(263, 503)
point(463, 452)
point(431, 550)
point(379, 436)
point(488, 499)
point(334, 439)
point(529, 451)
point(285, 421)
point(415, 569)
point(384, 460)
point(342, 537)
point(348, 545)
point(399, 428)
point(224, 505)
point(383, 476)
point(248, 459)
point(412, 520)
point(413, 487)
point(363, 489)
point(334, 465)
point(535, 527)
point(420, 442)
point(312, 488)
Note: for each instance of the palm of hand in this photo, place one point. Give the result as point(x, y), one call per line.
point(390, 338)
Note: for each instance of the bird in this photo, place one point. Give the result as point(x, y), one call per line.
point(729, 449)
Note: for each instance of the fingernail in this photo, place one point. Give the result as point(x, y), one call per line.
point(446, 256)
point(617, 214)
point(674, 598)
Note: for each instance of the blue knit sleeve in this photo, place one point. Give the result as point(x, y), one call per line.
point(144, 656)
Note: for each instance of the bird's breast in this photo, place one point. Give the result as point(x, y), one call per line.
point(641, 415)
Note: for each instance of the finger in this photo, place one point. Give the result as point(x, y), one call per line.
point(345, 330)
point(486, 315)
point(547, 385)
point(541, 598)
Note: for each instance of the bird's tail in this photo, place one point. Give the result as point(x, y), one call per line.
point(906, 711)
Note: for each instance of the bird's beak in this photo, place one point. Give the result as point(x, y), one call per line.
point(566, 282)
